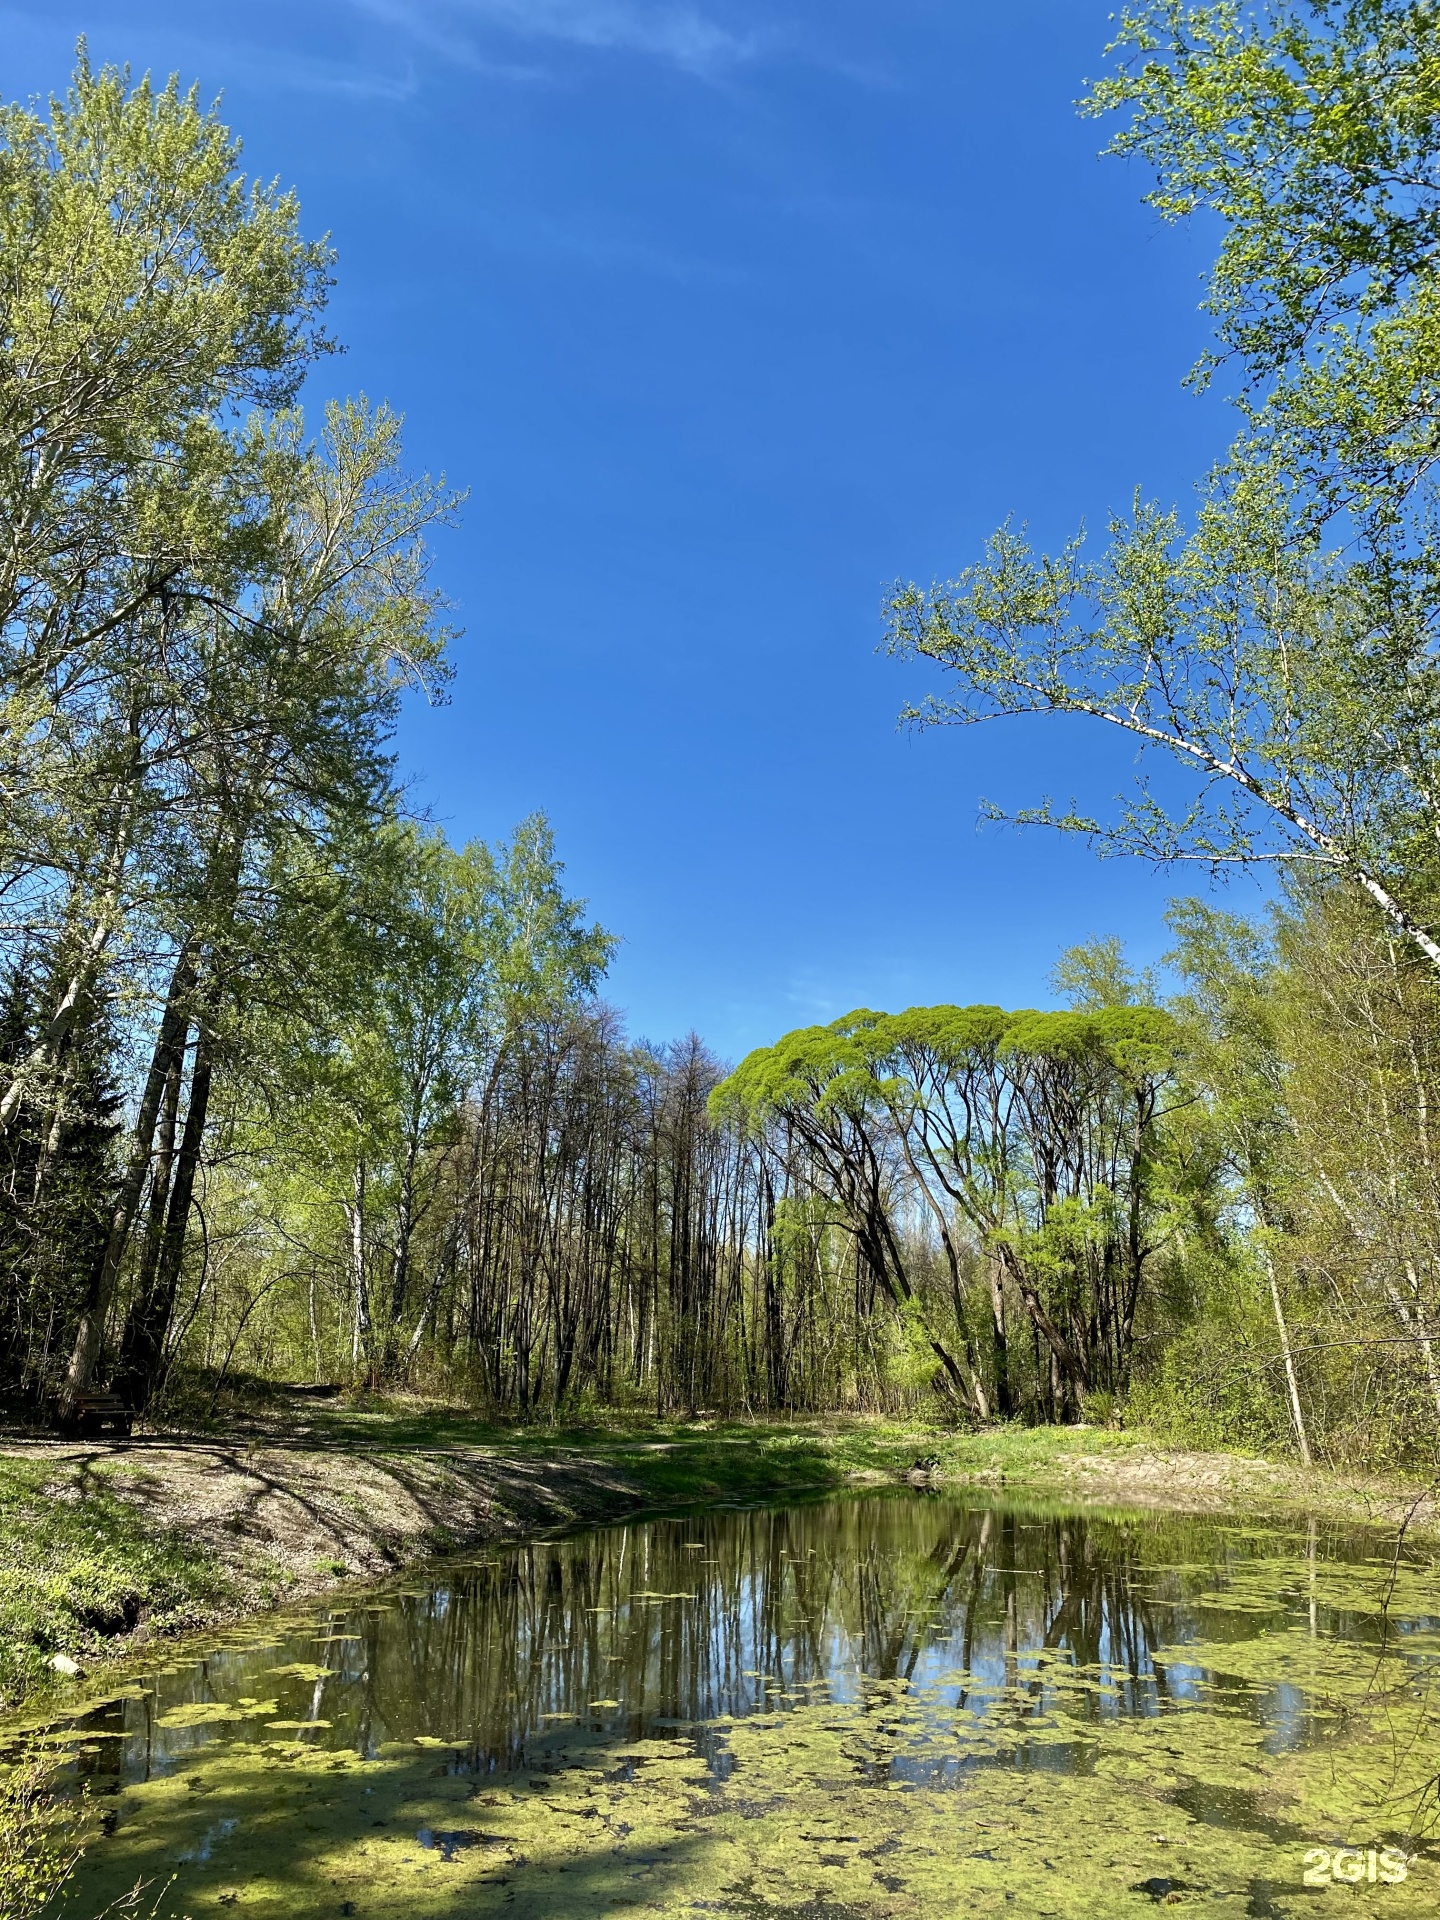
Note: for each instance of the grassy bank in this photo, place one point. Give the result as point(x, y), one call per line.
point(80, 1569)
point(105, 1546)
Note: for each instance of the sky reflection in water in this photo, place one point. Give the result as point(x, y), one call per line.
point(718, 1684)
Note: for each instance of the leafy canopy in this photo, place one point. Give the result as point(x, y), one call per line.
point(850, 1067)
point(1312, 131)
point(1279, 649)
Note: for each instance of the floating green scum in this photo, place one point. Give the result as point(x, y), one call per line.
point(897, 1705)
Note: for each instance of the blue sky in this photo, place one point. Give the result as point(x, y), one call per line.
point(728, 314)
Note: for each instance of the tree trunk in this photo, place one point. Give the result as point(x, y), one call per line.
point(1004, 1402)
point(153, 1321)
point(1070, 1365)
point(106, 921)
point(169, 1047)
point(1296, 1414)
point(129, 1372)
point(1412, 1318)
point(400, 1274)
point(355, 1217)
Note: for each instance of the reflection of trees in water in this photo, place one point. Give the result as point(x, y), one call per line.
point(689, 1620)
point(770, 1601)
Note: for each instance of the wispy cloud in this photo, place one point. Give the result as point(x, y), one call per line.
point(671, 30)
point(268, 68)
point(597, 243)
point(293, 73)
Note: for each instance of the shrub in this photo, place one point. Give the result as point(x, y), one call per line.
point(1215, 1387)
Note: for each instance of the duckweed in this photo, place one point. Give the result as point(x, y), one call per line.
point(893, 1706)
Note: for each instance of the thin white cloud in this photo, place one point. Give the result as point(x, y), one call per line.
point(291, 73)
point(672, 30)
point(595, 243)
point(268, 68)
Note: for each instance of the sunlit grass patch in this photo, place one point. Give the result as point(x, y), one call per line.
point(79, 1567)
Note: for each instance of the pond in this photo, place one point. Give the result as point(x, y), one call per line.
point(896, 1704)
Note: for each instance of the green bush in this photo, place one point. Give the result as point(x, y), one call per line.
point(1216, 1386)
point(37, 1837)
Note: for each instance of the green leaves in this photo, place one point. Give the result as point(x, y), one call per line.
point(208, 619)
point(1279, 650)
point(863, 1062)
point(1036, 1143)
point(150, 295)
point(1311, 130)
point(1297, 691)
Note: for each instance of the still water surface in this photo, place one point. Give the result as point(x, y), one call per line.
point(892, 1704)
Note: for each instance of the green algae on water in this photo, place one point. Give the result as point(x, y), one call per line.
point(888, 1706)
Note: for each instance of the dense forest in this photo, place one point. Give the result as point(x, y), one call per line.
point(291, 1088)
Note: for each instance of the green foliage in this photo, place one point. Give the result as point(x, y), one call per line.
point(388, 1131)
point(462, 953)
point(1295, 688)
point(80, 1566)
point(207, 623)
point(540, 949)
point(57, 1181)
point(910, 1362)
point(1096, 974)
point(1279, 650)
point(38, 1850)
point(1217, 1387)
point(1315, 1041)
point(150, 295)
point(847, 1067)
point(1033, 1142)
point(1310, 127)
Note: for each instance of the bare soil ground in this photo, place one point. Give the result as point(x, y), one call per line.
point(1131, 1471)
point(292, 1518)
point(1222, 1482)
point(284, 1521)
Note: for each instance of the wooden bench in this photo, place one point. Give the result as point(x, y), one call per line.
point(96, 1413)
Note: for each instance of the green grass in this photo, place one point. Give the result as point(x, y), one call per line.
point(739, 1459)
point(676, 1460)
point(78, 1566)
